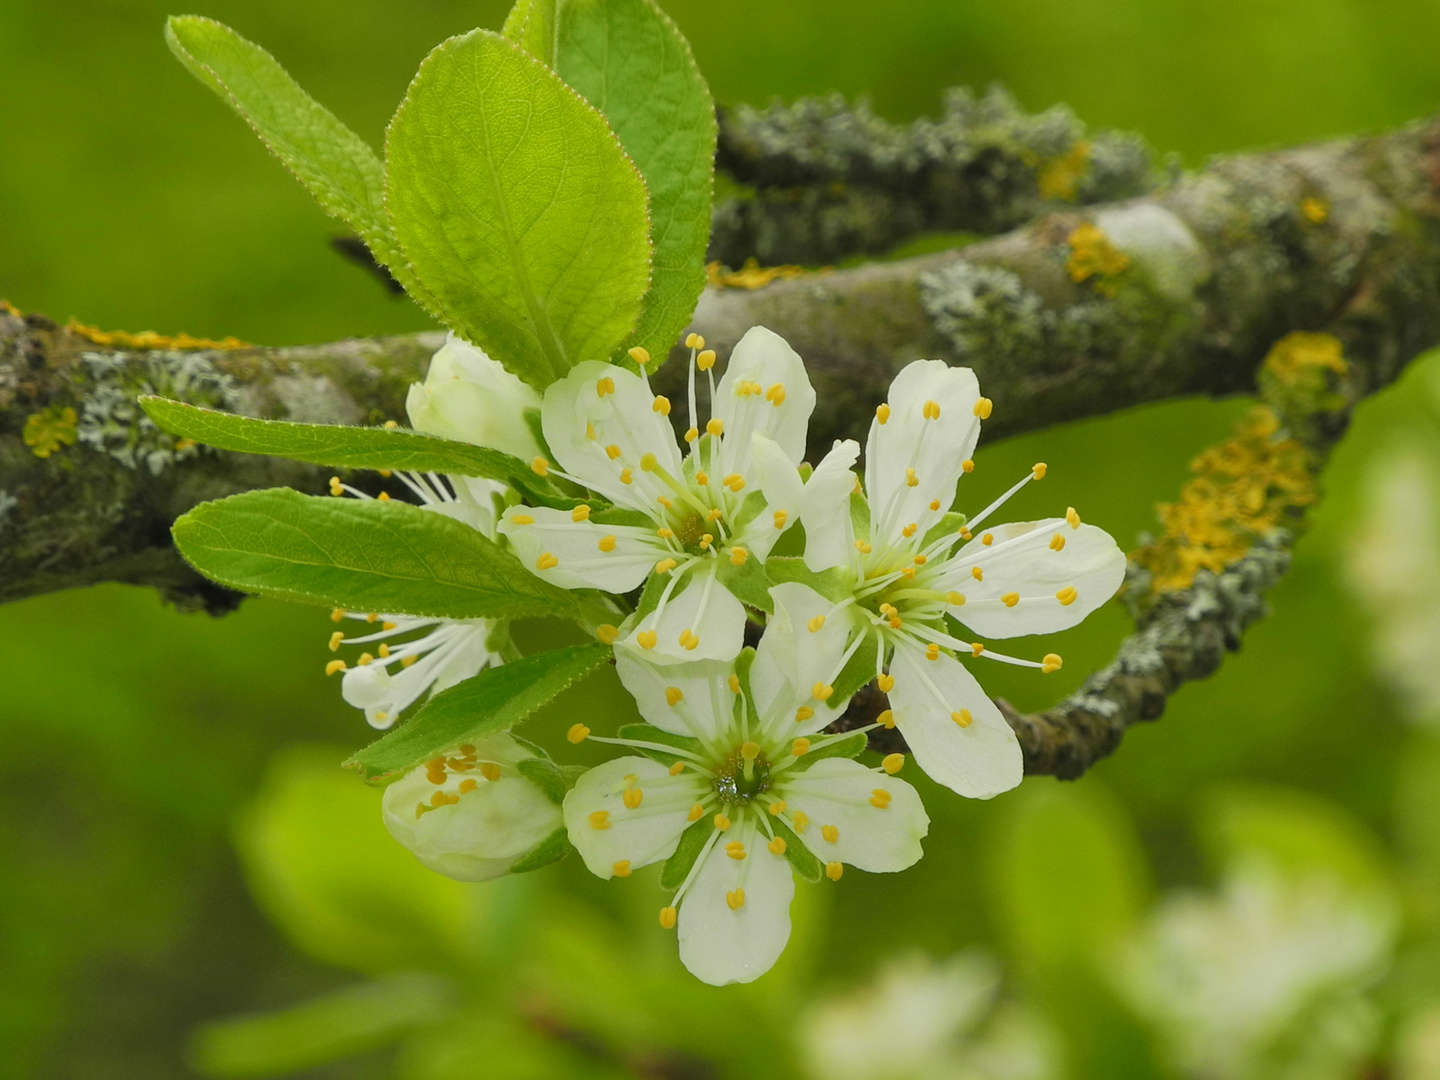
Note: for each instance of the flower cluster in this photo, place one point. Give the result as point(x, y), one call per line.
point(737, 781)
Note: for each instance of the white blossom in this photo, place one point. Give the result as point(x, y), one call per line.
point(468, 397)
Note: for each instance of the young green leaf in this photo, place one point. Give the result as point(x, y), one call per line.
point(647, 733)
point(336, 166)
point(632, 63)
point(495, 700)
point(847, 747)
point(531, 25)
point(692, 842)
point(550, 850)
point(361, 555)
point(517, 208)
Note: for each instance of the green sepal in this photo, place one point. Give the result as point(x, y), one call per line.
point(650, 595)
point(545, 775)
point(834, 584)
point(748, 582)
point(948, 525)
point(495, 700)
point(572, 773)
point(692, 842)
point(802, 859)
point(858, 670)
point(621, 515)
point(860, 515)
point(791, 542)
point(649, 733)
point(750, 508)
point(848, 747)
point(550, 850)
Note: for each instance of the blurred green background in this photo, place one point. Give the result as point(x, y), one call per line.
point(176, 848)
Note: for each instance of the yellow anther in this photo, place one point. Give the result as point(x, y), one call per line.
point(800, 747)
point(706, 360)
point(335, 486)
point(955, 598)
point(335, 639)
point(648, 462)
point(539, 466)
point(830, 833)
point(694, 341)
point(816, 623)
point(692, 434)
point(1072, 517)
point(600, 819)
point(689, 640)
point(962, 717)
point(887, 609)
point(580, 513)
point(780, 518)
point(909, 572)
point(930, 410)
point(934, 504)
point(365, 659)
point(777, 846)
point(612, 451)
point(667, 918)
point(880, 799)
point(696, 812)
point(664, 566)
point(834, 870)
point(1057, 542)
point(776, 394)
point(547, 561)
point(967, 465)
point(862, 547)
point(467, 786)
point(384, 496)
point(734, 684)
point(738, 555)
point(886, 683)
point(406, 661)
point(777, 807)
point(735, 849)
point(387, 626)
point(987, 539)
point(721, 822)
point(333, 666)
point(1010, 599)
point(734, 482)
point(640, 355)
point(677, 768)
point(646, 639)
point(976, 648)
point(800, 820)
point(822, 691)
point(336, 614)
point(1038, 470)
point(983, 408)
point(735, 899)
point(977, 573)
point(909, 530)
point(589, 430)
point(920, 560)
point(664, 533)
point(886, 719)
point(391, 425)
point(606, 543)
point(608, 634)
point(674, 695)
point(896, 623)
point(893, 763)
point(605, 386)
point(882, 413)
point(715, 426)
point(578, 733)
point(964, 533)
point(490, 771)
point(1052, 662)
point(661, 405)
point(372, 617)
point(626, 476)
point(439, 799)
point(803, 713)
point(932, 651)
point(384, 651)
point(1066, 596)
point(911, 480)
point(632, 797)
point(702, 478)
point(621, 868)
point(750, 751)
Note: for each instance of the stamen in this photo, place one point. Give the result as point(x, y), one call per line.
point(777, 807)
point(632, 798)
point(626, 476)
point(803, 713)
point(930, 410)
point(490, 771)
point(1057, 543)
point(646, 639)
point(963, 717)
point(987, 539)
point(968, 465)
point(813, 625)
point(539, 466)
point(621, 868)
point(735, 849)
point(691, 434)
point(1038, 470)
point(673, 696)
point(608, 634)
point(776, 395)
point(800, 747)
point(715, 426)
point(337, 614)
point(333, 666)
point(677, 768)
point(335, 639)
point(612, 451)
point(830, 833)
point(547, 561)
point(955, 598)
point(821, 691)
point(1010, 599)
point(880, 799)
point(886, 719)
point(893, 763)
point(721, 822)
point(1051, 663)
point(664, 566)
point(1066, 596)
point(661, 405)
point(734, 684)
point(983, 408)
point(932, 651)
point(777, 846)
point(977, 573)
point(1072, 517)
point(696, 812)
point(706, 360)
point(780, 518)
point(882, 413)
point(580, 513)
point(738, 555)
point(600, 819)
point(911, 480)
point(977, 648)
point(735, 899)
point(577, 733)
point(834, 870)
point(886, 683)
point(606, 543)
point(605, 386)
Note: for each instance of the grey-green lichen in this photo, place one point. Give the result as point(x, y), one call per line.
point(7, 503)
point(828, 179)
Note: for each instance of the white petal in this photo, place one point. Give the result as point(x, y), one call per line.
point(641, 835)
point(491, 827)
point(706, 704)
point(582, 562)
point(762, 359)
point(626, 420)
point(792, 659)
point(779, 479)
point(935, 449)
point(705, 608)
point(838, 792)
point(1020, 561)
point(721, 944)
point(825, 508)
point(980, 760)
point(468, 396)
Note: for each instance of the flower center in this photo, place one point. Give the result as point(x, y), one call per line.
point(743, 777)
point(689, 531)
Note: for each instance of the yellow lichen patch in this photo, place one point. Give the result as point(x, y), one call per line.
point(1315, 210)
point(149, 339)
point(11, 309)
point(1302, 376)
point(1092, 255)
point(1243, 489)
point(48, 430)
point(1058, 177)
point(750, 276)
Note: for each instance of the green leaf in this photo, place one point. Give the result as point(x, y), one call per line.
point(834, 584)
point(748, 582)
point(513, 201)
point(545, 775)
point(848, 747)
point(692, 842)
point(859, 515)
point(361, 555)
point(647, 733)
point(948, 525)
point(531, 25)
point(496, 699)
point(550, 850)
point(338, 1025)
point(632, 63)
point(802, 860)
point(333, 163)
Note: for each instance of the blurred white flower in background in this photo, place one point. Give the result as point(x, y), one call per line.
point(923, 1019)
